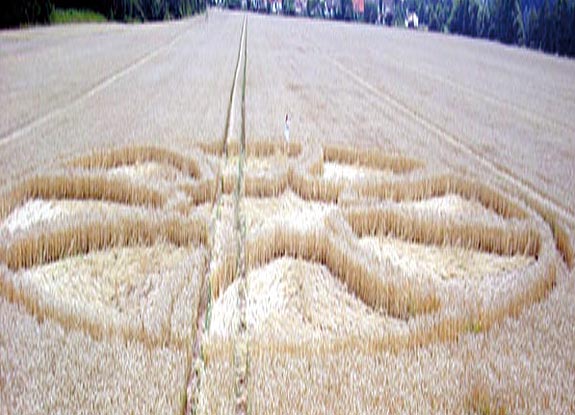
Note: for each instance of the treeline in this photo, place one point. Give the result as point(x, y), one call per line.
point(548, 25)
point(19, 12)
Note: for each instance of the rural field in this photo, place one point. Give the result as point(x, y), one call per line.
point(164, 250)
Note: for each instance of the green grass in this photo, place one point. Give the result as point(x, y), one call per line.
point(64, 16)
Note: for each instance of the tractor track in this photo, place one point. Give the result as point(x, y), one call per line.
point(490, 99)
point(90, 92)
point(501, 172)
point(204, 316)
point(241, 352)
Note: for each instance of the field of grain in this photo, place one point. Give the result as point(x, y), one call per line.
point(164, 250)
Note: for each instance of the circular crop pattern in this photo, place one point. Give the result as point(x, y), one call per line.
point(340, 245)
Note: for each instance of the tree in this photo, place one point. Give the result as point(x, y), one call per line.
point(456, 20)
point(434, 25)
point(288, 7)
point(473, 13)
point(346, 9)
point(422, 13)
point(444, 13)
point(504, 18)
point(398, 12)
point(370, 12)
point(17, 12)
point(153, 9)
point(463, 18)
point(533, 35)
point(313, 8)
point(572, 48)
point(518, 26)
point(563, 24)
point(483, 22)
point(388, 18)
point(547, 28)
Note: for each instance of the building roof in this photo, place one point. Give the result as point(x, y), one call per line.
point(358, 6)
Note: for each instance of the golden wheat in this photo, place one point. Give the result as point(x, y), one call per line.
point(370, 158)
point(397, 160)
point(424, 312)
point(96, 294)
point(138, 154)
point(39, 248)
point(79, 185)
point(403, 300)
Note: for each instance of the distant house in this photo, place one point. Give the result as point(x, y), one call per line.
point(300, 7)
point(386, 6)
point(386, 12)
point(358, 7)
point(412, 21)
point(275, 6)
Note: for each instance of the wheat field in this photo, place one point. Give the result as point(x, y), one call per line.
point(164, 250)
